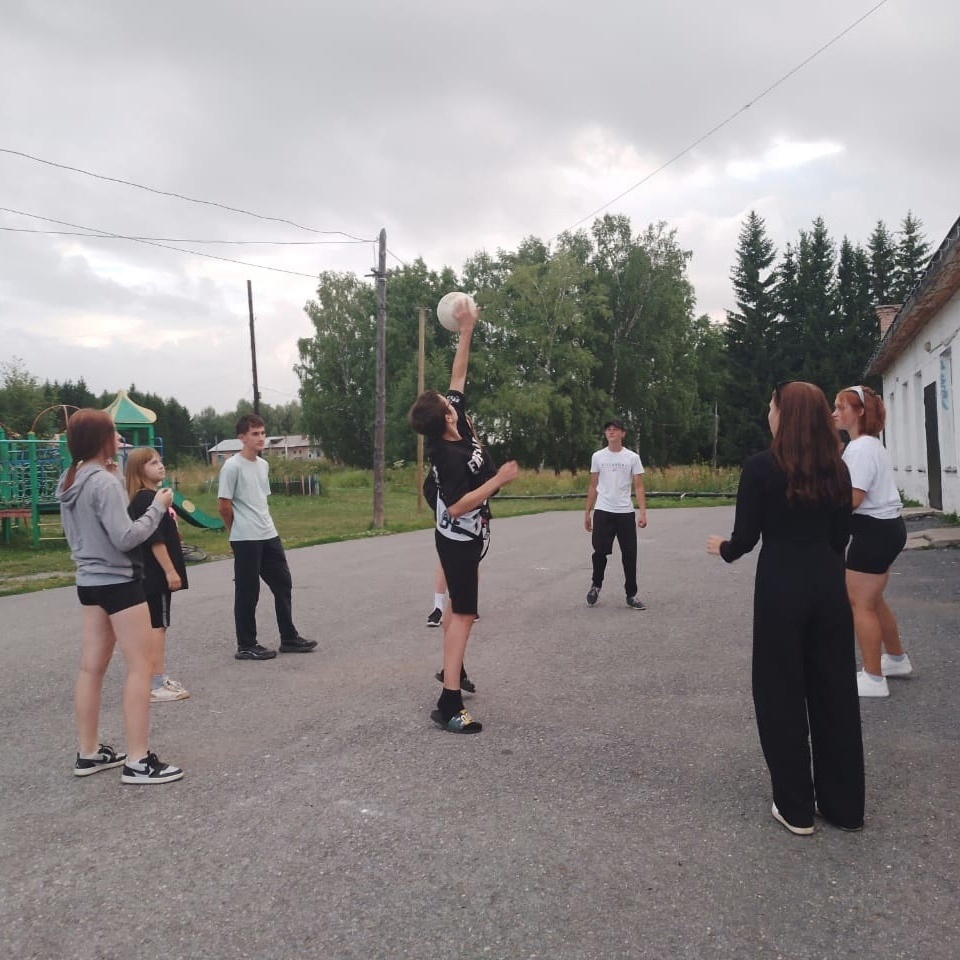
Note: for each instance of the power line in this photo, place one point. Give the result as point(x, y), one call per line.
point(95, 232)
point(117, 236)
point(732, 117)
point(170, 193)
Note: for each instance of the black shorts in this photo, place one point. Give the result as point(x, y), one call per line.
point(159, 606)
point(460, 560)
point(113, 597)
point(875, 544)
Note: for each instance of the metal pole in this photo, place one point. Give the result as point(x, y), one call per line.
point(421, 363)
point(380, 414)
point(253, 352)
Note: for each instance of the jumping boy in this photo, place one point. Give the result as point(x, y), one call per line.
point(465, 480)
point(257, 550)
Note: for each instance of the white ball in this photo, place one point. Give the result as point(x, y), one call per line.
point(446, 307)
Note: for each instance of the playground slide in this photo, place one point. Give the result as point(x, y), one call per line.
point(188, 510)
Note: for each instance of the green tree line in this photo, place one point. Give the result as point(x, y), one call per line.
point(600, 322)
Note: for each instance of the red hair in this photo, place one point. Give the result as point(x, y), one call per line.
point(874, 412)
point(90, 433)
point(806, 448)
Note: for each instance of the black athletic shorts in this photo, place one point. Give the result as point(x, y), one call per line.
point(159, 606)
point(460, 560)
point(875, 544)
point(113, 597)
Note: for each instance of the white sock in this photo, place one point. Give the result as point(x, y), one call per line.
point(91, 756)
point(438, 601)
point(137, 764)
point(896, 657)
point(873, 678)
point(156, 681)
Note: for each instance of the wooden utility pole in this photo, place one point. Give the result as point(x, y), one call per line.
point(421, 350)
point(716, 430)
point(253, 352)
point(380, 412)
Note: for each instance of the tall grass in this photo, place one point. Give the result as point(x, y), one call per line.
point(343, 509)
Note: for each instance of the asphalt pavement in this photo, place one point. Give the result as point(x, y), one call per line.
point(616, 804)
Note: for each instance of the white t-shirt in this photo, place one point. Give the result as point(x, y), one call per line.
point(247, 484)
point(615, 485)
point(871, 471)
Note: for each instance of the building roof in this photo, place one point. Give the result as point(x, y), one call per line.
point(940, 281)
point(226, 446)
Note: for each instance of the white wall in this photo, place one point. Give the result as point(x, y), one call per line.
point(933, 357)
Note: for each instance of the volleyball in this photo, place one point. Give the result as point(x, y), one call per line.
point(446, 307)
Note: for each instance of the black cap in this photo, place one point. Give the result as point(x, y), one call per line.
point(615, 422)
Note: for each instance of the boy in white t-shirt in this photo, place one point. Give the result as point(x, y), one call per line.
point(613, 470)
point(258, 553)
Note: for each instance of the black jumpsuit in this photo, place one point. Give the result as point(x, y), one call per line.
point(804, 665)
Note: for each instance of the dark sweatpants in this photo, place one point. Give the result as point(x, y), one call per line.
point(804, 683)
point(623, 527)
point(253, 560)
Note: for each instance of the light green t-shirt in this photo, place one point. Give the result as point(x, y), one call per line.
point(247, 484)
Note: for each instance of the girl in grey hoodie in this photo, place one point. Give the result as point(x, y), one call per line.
point(105, 544)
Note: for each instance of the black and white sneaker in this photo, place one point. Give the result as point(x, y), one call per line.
point(105, 759)
point(256, 652)
point(636, 603)
point(593, 595)
point(435, 618)
point(151, 770)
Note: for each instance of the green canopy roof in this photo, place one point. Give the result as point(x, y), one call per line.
point(126, 413)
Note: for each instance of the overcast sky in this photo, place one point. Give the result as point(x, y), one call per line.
point(457, 127)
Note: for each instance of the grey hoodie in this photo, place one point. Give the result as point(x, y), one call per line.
point(93, 511)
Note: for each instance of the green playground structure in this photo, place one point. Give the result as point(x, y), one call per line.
point(188, 510)
point(31, 467)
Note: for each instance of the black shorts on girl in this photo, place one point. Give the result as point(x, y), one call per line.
point(460, 560)
point(113, 597)
point(875, 543)
point(159, 606)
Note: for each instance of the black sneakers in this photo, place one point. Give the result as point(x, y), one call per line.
point(297, 645)
point(256, 652)
point(150, 770)
point(106, 758)
point(636, 603)
point(435, 618)
point(593, 595)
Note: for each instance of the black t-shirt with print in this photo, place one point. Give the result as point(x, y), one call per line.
point(459, 466)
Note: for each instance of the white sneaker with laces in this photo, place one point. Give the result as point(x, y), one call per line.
point(169, 691)
point(868, 687)
point(895, 668)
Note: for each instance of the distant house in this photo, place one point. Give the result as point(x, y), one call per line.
point(920, 381)
point(293, 447)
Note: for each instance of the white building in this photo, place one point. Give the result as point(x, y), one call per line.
point(920, 381)
point(293, 447)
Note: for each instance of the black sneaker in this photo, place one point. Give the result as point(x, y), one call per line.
point(466, 684)
point(106, 758)
point(593, 595)
point(154, 771)
point(256, 652)
point(435, 618)
point(636, 603)
point(297, 645)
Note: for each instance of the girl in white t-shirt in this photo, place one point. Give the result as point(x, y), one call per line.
point(879, 534)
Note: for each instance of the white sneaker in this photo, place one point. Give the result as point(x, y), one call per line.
point(868, 687)
point(799, 831)
point(170, 690)
point(895, 668)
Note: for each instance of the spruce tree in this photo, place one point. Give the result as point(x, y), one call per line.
point(747, 339)
point(911, 256)
point(883, 265)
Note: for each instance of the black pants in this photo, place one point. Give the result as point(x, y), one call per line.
point(254, 560)
point(623, 528)
point(804, 683)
